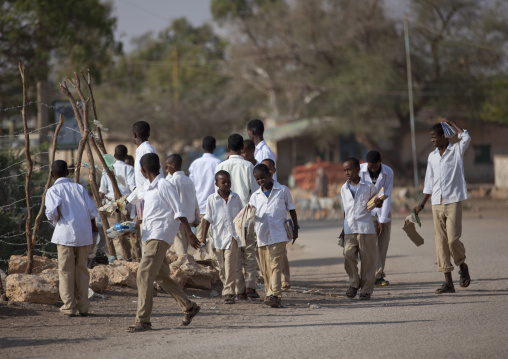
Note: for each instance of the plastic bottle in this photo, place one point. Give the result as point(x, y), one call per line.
point(202, 251)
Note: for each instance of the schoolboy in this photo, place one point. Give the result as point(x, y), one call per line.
point(243, 184)
point(69, 206)
point(221, 209)
point(381, 176)
point(163, 213)
point(187, 194)
point(129, 160)
point(248, 152)
point(272, 201)
point(359, 232)
point(255, 130)
point(286, 274)
point(446, 185)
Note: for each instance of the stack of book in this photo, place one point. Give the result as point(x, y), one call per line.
point(449, 131)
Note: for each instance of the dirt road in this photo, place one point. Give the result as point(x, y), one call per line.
point(403, 320)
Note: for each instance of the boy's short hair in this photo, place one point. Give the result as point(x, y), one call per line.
point(249, 145)
point(142, 129)
point(121, 152)
point(129, 157)
point(270, 161)
point(438, 129)
point(353, 160)
point(256, 126)
point(235, 142)
point(373, 157)
point(262, 168)
point(175, 159)
point(59, 168)
point(209, 144)
point(222, 173)
point(151, 163)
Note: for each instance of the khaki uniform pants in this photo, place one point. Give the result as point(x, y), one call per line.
point(155, 267)
point(246, 267)
point(272, 261)
point(73, 279)
point(363, 245)
point(227, 259)
point(201, 227)
point(286, 276)
point(448, 228)
point(382, 247)
point(181, 243)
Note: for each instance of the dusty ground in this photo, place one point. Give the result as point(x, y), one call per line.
point(403, 320)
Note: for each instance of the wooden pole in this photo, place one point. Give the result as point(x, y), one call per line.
point(28, 223)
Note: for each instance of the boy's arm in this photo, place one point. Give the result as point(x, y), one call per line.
point(206, 227)
point(94, 225)
point(292, 213)
point(192, 237)
point(131, 179)
point(427, 188)
point(208, 218)
point(52, 202)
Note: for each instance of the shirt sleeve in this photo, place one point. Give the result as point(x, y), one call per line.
point(171, 195)
point(465, 140)
point(289, 200)
point(253, 184)
point(191, 172)
point(90, 204)
point(52, 201)
point(385, 210)
point(429, 179)
point(209, 209)
point(104, 183)
point(131, 179)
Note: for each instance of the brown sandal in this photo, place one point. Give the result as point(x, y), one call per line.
point(188, 315)
point(445, 288)
point(139, 327)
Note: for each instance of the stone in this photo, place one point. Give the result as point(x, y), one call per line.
point(18, 264)
point(30, 288)
point(119, 274)
point(99, 280)
point(178, 275)
point(171, 256)
point(51, 276)
point(199, 276)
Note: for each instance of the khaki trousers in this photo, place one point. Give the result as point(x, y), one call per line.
point(363, 245)
point(448, 228)
point(382, 247)
point(181, 243)
point(155, 267)
point(227, 259)
point(272, 261)
point(201, 227)
point(246, 266)
point(286, 275)
point(73, 279)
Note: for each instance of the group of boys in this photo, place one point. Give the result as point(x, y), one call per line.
point(244, 209)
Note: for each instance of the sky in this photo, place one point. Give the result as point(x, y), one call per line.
point(137, 17)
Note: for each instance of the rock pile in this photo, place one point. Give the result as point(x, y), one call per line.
point(30, 288)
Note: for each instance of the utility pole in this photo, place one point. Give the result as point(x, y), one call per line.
point(176, 89)
point(410, 93)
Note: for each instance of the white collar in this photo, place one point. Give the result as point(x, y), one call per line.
point(156, 180)
point(63, 179)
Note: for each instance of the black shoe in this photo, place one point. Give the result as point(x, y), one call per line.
point(273, 301)
point(351, 292)
point(364, 296)
point(101, 258)
point(91, 263)
point(381, 282)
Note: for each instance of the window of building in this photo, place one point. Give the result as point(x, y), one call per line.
point(482, 154)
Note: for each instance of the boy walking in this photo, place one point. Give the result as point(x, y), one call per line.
point(162, 216)
point(272, 201)
point(243, 184)
point(381, 176)
point(255, 130)
point(221, 209)
point(187, 194)
point(69, 206)
point(445, 183)
point(359, 233)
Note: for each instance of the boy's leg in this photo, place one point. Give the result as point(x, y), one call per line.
point(230, 267)
point(239, 277)
point(382, 249)
point(201, 227)
point(82, 279)
point(351, 259)
point(250, 264)
point(66, 278)
point(368, 256)
point(264, 257)
point(163, 278)
point(453, 213)
point(442, 248)
point(181, 243)
point(151, 262)
point(286, 275)
point(276, 259)
point(219, 257)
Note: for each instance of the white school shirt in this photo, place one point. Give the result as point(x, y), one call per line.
point(202, 173)
point(243, 182)
point(445, 174)
point(385, 180)
point(161, 211)
point(271, 213)
point(187, 194)
point(221, 215)
point(141, 181)
point(76, 209)
point(124, 177)
point(357, 219)
point(262, 152)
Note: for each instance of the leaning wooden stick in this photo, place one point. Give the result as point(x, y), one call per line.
point(28, 223)
point(38, 219)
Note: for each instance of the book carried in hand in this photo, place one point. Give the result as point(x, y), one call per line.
point(381, 195)
point(449, 131)
point(289, 226)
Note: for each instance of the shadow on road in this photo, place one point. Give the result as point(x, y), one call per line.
point(23, 342)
